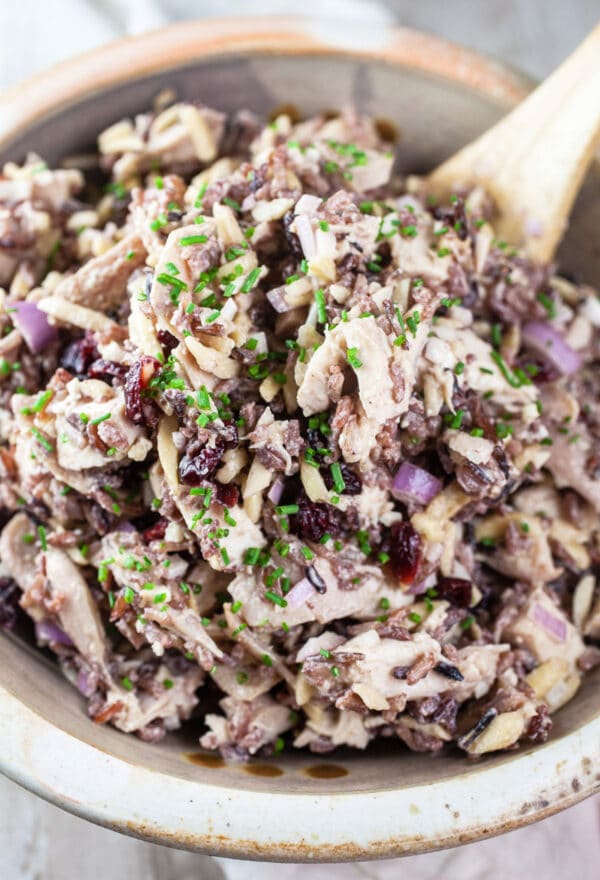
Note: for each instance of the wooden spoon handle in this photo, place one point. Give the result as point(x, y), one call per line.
point(534, 160)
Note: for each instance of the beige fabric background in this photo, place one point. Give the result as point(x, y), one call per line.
point(39, 841)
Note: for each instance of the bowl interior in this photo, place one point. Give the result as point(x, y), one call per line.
point(434, 115)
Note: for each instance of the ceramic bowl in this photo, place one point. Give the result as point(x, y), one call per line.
point(386, 801)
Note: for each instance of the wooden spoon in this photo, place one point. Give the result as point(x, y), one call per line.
point(534, 160)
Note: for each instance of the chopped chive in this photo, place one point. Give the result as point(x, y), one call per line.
point(338, 480)
point(286, 509)
point(187, 240)
point(457, 418)
point(353, 358)
point(41, 439)
point(276, 599)
point(251, 280)
point(321, 309)
point(548, 304)
point(101, 419)
point(231, 203)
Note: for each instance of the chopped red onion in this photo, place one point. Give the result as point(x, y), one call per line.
point(278, 301)
point(305, 233)
point(125, 526)
point(46, 631)
point(33, 324)
point(249, 202)
point(307, 204)
point(300, 592)
point(85, 684)
point(554, 626)
point(424, 585)
point(546, 340)
point(275, 492)
point(413, 483)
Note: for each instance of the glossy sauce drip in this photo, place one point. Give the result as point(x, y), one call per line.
point(326, 771)
point(263, 770)
point(204, 760)
point(387, 130)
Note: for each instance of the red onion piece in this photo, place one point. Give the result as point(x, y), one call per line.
point(307, 204)
point(424, 585)
point(305, 233)
point(554, 626)
point(300, 592)
point(33, 324)
point(46, 631)
point(413, 483)
point(278, 301)
point(546, 340)
point(249, 202)
point(85, 684)
point(125, 526)
point(275, 492)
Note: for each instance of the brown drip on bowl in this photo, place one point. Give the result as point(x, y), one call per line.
point(326, 771)
point(263, 770)
point(387, 130)
point(204, 760)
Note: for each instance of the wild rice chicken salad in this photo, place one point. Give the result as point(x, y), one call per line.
point(291, 448)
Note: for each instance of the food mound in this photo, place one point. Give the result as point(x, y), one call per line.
point(290, 447)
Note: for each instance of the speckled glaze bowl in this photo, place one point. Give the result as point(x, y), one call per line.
point(387, 801)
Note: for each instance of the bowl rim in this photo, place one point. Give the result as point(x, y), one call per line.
point(145, 803)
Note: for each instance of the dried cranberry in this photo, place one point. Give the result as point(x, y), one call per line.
point(140, 410)
point(80, 354)
point(457, 591)
point(314, 520)
point(107, 370)
point(155, 532)
point(167, 340)
point(9, 603)
point(351, 479)
point(196, 466)
point(405, 549)
point(226, 494)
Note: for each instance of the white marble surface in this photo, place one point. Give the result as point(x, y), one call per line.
point(39, 841)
